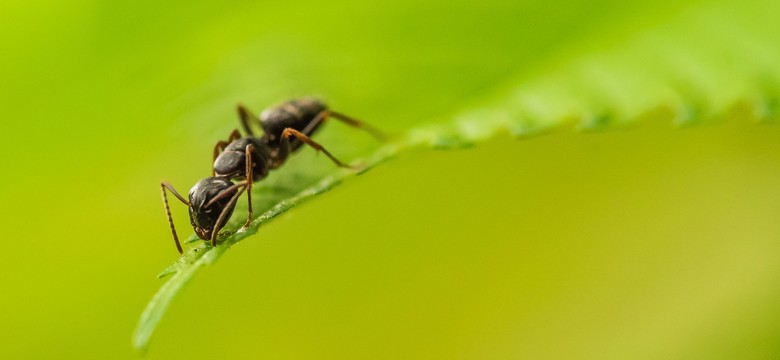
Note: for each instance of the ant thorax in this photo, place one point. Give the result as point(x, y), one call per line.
point(231, 163)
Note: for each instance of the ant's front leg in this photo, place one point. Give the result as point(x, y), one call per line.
point(250, 150)
point(241, 186)
point(221, 145)
point(285, 147)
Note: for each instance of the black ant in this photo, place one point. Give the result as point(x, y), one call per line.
point(248, 159)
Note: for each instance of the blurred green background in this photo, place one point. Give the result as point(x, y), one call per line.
point(649, 243)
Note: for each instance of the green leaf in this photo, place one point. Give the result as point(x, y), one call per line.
point(695, 68)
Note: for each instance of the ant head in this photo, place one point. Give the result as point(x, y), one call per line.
point(208, 199)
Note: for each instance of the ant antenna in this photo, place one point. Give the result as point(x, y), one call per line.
point(163, 186)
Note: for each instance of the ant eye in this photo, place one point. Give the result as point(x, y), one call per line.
point(207, 210)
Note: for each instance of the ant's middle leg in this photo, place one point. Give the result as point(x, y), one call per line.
point(220, 146)
point(285, 147)
point(246, 116)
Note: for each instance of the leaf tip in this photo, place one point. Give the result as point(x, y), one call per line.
point(140, 343)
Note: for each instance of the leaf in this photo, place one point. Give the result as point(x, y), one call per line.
point(696, 68)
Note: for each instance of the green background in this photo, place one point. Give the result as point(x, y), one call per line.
point(646, 243)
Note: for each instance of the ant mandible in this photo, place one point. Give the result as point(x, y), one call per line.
point(248, 159)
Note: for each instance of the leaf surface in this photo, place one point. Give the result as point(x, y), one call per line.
point(694, 68)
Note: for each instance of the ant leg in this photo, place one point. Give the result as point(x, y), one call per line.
point(285, 145)
point(221, 145)
point(315, 122)
point(250, 149)
point(165, 185)
point(376, 133)
point(245, 115)
point(225, 193)
point(324, 114)
point(223, 215)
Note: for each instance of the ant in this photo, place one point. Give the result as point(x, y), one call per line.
point(248, 159)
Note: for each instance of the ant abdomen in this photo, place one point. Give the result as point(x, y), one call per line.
point(295, 114)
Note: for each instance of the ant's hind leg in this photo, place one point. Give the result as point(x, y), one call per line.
point(321, 116)
point(324, 114)
point(246, 116)
point(376, 133)
point(285, 145)
point(165, 185)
